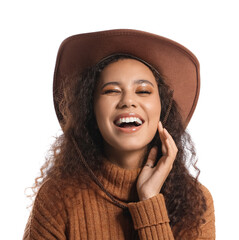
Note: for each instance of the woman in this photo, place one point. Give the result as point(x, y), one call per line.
point(123, 99)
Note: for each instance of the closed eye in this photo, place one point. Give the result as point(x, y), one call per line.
point(143, 92)
point(111, 91)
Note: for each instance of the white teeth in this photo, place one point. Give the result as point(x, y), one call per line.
point(138, 121)
point(128, 120)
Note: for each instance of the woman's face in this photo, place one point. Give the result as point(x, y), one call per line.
point(127, 105)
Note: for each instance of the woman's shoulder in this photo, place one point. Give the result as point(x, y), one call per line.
point(48, 212)
point(48, 192)
point(59, 189)
point(48, 184)
point(207, 194)
point(210, 211)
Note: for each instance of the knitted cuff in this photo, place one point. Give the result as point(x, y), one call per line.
point(149, 212)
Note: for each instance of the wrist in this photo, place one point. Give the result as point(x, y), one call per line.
point(145, 197)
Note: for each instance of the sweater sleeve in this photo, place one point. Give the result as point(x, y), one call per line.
point(151, 220)
point(48, 216)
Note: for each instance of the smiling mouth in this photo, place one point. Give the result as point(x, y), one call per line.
point(128, 122)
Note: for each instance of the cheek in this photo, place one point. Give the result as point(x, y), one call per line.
point(154, 109)
point(154, 112)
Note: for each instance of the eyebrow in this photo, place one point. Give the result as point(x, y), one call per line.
point(140, 81)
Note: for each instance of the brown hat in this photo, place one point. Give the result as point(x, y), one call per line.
point(178, 66)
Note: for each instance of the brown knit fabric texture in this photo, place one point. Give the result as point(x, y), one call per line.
point(88, 213)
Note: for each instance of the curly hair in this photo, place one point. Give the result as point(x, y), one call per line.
point(183, 195)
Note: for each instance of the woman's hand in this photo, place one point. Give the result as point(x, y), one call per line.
point(151, 179)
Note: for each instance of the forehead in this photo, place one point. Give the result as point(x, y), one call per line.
point(126, 68)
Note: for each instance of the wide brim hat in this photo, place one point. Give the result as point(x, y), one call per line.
point(178, 66)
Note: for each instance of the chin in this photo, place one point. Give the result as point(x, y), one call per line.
point(127, 146)
point(128, 142)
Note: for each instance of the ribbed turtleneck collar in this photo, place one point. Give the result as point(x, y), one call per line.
point(119, 182)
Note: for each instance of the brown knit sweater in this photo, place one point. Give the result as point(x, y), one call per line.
point(88, 213)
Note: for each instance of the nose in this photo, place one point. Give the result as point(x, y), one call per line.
point(127, 100)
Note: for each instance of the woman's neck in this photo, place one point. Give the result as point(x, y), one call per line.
point(127, 159)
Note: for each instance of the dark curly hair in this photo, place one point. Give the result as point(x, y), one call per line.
point(183, 195)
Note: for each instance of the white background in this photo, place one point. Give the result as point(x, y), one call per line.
point(31, 32)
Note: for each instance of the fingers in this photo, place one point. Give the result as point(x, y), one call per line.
point(152, 157)
point(169, 148)
point(168, 145)
point(162, 138)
